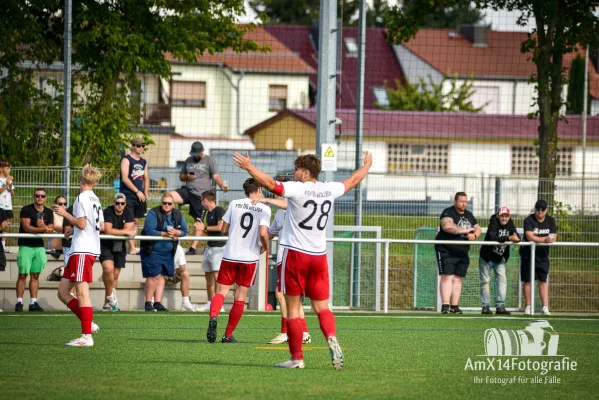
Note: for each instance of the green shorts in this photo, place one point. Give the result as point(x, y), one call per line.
point(31, 259)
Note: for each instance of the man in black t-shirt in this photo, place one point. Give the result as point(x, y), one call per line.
point(501, 229)
point(213, 253)
point(540, 228)
point(458, 224)
point(4, 226)
point(31, 259)
point(119, 220)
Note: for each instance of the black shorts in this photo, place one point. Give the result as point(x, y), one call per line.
point(450, 265)
point(2, 260)
point(541, 270)
point(139, 208)
point(8, 214)
point(196, 210)
point(118, 258)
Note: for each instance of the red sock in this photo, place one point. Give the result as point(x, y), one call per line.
point(304, 325)
point(216, 304)
point(87, 315)
point(73, 305)
point(295, 336)
point(234, 317)
point(327, 323)
point(283, 325)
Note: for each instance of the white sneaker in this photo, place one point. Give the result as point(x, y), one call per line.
point(95, 328)
point(83, 341)
point(291, 364)
point(280, 338)
point(545, 311)
point(206, 307)
point(527, 310)
point(336, 353)
point(189, 307)
point(307, 338)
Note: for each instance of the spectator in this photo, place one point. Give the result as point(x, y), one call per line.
point(31, 259)
point(501, 229)
point(197, 172)
point(247, 226)
point(157, 257)
point(4, 225)
point(118, 221)
point(458, 224)
point(539, 228)
point(135, 184)
point(181, 270)
point(55, 244)
point(7, 191)
point(213, 254)
point(67, 229)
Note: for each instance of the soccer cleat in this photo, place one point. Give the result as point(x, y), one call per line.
point(83, 341)
point(307, 338)
point(149, 307)
point(106, 307)
point(336, 353)
point(34, 307)
point(545, 311)
point(503, 311)
point(19, 307)
point(159, 307)
point(211, 333)
point(455, 310)
point(280, 338)
point(486, 310)
point(445, 309)
point(527, 310)
point(291, 364)
point(189, 307)
point(229, 339)
point(191, 252)
point(95, 328)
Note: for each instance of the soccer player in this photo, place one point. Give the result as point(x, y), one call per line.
point(304, 268)
point(88, 221)
point(247, 227)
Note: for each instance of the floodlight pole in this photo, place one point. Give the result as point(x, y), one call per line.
point(66, 131)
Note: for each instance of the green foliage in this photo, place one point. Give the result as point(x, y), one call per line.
point(431, 96)
point(299, 12)
point(576, 87)
point(447, 16)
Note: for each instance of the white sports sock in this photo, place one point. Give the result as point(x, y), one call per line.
point(19, 300)
point(185, 300)
point(33, 300)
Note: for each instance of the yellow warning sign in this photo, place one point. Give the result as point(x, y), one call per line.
point(329, 152)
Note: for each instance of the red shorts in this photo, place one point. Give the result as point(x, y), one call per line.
point(305, 275)
point(236, 272)
point(79, 268)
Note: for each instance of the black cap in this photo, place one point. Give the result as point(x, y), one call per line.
point(541, 205)
point(196, 149)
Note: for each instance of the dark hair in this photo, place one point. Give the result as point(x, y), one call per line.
point(59, 197)
point(5, 163)
point(282, 178)
point(250, 186)
point(209, 195)
point(309, 162)
point(459, 194)
point(39, 190)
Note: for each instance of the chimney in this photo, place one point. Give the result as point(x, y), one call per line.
point(475, 34)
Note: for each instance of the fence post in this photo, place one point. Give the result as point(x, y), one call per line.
point(497, 193)
point(533, 250)
point(386, 277)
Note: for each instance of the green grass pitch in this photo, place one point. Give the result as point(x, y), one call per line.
point(386, 356)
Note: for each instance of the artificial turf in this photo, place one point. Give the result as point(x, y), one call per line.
point(386, 356)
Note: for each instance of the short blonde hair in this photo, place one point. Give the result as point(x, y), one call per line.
point(90, 175)
point(167, 195)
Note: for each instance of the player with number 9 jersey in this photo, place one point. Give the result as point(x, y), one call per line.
point(87, 240)
point(245, 220)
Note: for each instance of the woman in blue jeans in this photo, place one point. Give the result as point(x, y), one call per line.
point(501, 229)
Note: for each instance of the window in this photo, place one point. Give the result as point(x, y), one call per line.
point(525, 161)
point(418, 158)
point(188, 94)
point(277, 97)
point(352, 47)
point(380, 93)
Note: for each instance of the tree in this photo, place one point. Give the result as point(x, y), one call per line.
point(300, 12)
point(561, 26)
point(431, 96)
point(576, 87)
point(113, 43)
point(447, 16)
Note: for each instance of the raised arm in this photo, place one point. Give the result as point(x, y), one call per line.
point(357, 176)
point(262, 178)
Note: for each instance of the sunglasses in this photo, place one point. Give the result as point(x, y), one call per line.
point(62, 204)
point(39, 196)
point(119, 203)
point(541, 209)
point(166, 203)
point(141, 145)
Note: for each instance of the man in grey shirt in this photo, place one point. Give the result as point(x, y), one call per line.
point(197, 173)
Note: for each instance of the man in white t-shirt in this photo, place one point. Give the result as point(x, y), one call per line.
point(247, 226)
point(304, 265)
point(88, 221)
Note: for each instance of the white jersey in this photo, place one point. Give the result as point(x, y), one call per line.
point(308, 213)
point(245, 220)
point(276, 229)
point(5, 197)
point(87, 241)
